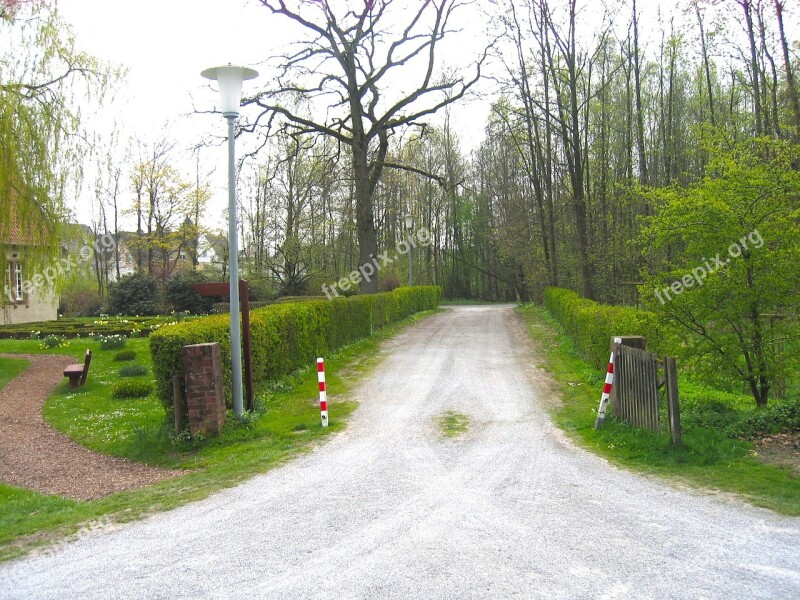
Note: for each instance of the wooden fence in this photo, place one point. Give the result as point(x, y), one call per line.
point(637, 381)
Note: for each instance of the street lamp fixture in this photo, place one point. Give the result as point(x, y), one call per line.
point(409, 219)
point(230, 78)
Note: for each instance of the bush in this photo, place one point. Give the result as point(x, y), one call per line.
point(773, 418)
point(287, 336)
point(592, 325)
point(112, 342)
point(182, 298)
point(125, 355)
point(134, 370)
point(80, 299)
point(131, 389)
point(53, 341)
point(135, 294)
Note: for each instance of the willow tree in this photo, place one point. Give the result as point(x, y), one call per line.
point(41, 72)
point(367, 72)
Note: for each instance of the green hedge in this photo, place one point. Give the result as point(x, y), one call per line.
point(592, 325)
point(285, 337)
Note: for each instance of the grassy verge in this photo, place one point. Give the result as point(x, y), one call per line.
point(10, 368)
point(287, 424)
point(708, 459)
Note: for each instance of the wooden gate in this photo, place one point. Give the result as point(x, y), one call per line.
point(635, 392)
point(637, 380)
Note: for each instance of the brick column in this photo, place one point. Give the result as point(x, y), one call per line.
point(205, 393)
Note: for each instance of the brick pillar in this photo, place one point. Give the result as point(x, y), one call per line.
point(205, 393)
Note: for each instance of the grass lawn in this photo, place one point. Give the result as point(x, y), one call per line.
point(10, 368)
point(287, 423)
point(708, 459)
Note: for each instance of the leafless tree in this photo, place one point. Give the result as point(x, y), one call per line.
point(347, 68)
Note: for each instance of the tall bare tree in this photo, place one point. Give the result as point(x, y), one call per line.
point(346, 66)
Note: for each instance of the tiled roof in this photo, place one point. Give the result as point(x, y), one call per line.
point(18, 231)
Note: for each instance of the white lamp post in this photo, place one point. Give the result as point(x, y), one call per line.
point(230, 80)
point(409, 219)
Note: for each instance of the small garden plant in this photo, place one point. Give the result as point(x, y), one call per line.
point(125, 355)
point(53, 341)
point(112, 342)
point(131, 388)
point(133, 370)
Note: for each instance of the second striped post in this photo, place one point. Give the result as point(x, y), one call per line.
point(601, 411)
point(323, 396)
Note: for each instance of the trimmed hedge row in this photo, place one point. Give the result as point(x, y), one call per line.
point(592, 325)
point(85, 326)
point(284, 337)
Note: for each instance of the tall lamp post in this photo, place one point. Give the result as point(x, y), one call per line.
point(230, 80)
point(409, 218)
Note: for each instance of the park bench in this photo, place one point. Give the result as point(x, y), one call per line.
point(77, 373)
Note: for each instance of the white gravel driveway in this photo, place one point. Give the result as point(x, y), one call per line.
point(389, 509)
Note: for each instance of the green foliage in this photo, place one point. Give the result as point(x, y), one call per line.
point(135, 294)
point(181, 297)
point(111, 342)
point(134, 370)
point(80, 298)
point(288, 336)
point(724, 263)
point(131, 389)
point(52, 341)
point(125, 355)
point(592, 325)
point(710, 455)
point(42, 143)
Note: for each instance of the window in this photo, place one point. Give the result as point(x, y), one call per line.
point(18, 281)
point(14, 281)
point(182, 256)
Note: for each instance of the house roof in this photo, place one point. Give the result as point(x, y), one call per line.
point(17, 230)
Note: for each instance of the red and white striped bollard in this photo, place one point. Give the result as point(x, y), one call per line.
point(601, 412)
point(323, 395)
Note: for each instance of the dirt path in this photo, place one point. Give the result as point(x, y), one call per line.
point(34, 455)
point(391, 509)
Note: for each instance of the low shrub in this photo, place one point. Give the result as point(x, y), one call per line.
point(53, 341)
point(592, 325)
point(776, 417)
point(134, 370)
point(287, 336)
point(134, 294)
point(131, 389)
point(112, 342)
point(125, 355)
point(181, 297)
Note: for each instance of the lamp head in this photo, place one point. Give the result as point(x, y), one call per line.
point(409, 219)
point(230, 80)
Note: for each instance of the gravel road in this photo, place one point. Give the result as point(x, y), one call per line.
point(390, 509)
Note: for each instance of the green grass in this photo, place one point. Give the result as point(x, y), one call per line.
point(136, 429)
point(708, 459)
point(453, 424)
point(10, 368)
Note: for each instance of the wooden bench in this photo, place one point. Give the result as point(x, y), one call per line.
point(77, 373)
